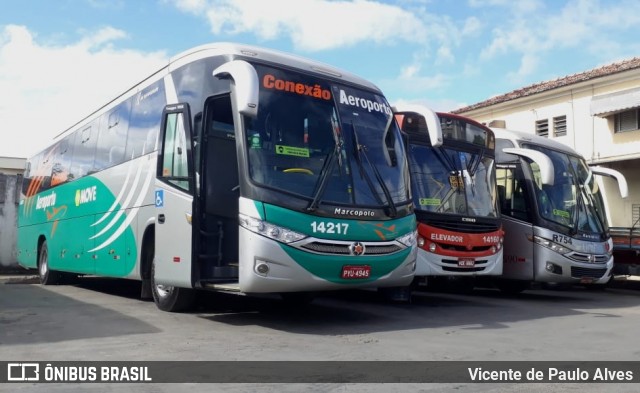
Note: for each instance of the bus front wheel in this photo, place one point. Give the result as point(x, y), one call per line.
point(47, 276)
point(170, 298)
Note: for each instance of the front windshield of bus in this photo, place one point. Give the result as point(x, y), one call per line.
point(451, 181)
point(320, 141)
point(574, 200)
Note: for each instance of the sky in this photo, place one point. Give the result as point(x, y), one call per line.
point(61, 60)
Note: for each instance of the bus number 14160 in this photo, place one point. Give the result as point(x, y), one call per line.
point(329, 227)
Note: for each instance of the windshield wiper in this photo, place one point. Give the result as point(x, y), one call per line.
point(324, 176)
point(585, 195)
point(327, 168)
point(362, 148)
point(446, 198)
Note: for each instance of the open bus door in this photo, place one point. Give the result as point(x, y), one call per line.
point(172, 278)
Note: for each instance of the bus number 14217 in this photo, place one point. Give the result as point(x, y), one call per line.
point(329, 227)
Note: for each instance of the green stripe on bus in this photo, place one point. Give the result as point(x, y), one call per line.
point(66, 216)
point(329, 267)
point(339, 229)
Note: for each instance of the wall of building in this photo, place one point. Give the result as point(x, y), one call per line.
point(9, 198)
point(12, 165)
point(591, 136)
point(609, 145)
point(11, 170)
point(621, 211)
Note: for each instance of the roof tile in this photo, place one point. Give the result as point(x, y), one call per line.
point(540, 87)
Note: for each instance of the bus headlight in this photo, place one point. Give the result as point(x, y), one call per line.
point(271, 231)
point(551, 245)
point(409, 239)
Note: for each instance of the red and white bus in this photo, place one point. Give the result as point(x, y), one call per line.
point(453, 181)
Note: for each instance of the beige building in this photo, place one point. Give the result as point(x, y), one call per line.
point(596, 112)
point(11, 170)
point(12, 165)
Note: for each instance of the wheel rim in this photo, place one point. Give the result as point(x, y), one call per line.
point(44, 263)
point(163, 290)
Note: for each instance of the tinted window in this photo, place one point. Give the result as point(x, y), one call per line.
point(511, 194)
point(84, 150)
point(62, 161)
point(175, 167)
point(112, 140)
point(502, 157)
point(144, 123)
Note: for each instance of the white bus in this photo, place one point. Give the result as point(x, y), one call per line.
point(553, 213)
point(233, 168)
point(453, 181)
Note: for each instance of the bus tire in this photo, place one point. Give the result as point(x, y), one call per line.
point(169, 298)
point(47, 276)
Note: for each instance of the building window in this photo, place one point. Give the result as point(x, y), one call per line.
point(542, 128)
point(511, 193)
point(626, 121)
point(635, 214)
point(560, 126)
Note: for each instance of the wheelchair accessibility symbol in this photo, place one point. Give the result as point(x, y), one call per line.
point(159, 198)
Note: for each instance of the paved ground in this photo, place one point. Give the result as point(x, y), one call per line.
point(102, 319)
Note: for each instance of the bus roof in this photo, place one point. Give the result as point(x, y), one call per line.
point(518, 137)
point(464, 118)
point(222, 49)
point(272, 56)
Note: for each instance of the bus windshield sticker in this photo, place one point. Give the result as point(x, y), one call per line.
point(292, 151)
point(430, 201)
point(561, 213)
point(456, 182)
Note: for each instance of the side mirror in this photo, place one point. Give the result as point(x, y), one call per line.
point(543, 161)
point(431, 118)
point(245, 79)
point(622, 181)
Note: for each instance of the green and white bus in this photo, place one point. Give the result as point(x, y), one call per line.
point(233, 168)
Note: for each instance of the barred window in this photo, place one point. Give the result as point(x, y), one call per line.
point(635, 213)
point(626, 121)
point(542, 128)
point(560, 126)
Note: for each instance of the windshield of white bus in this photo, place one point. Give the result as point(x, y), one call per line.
point(574, 200)
point(451, 181)
point(318, 140)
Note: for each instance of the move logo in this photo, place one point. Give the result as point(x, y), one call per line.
point(46, 201)
point(86, 195)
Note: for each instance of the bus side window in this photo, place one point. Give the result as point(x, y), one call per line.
point(504, 207)
point(84, 147)
point(62, 161)
point(512, 196)
point(144, 122)
point(112, 139)
point(174, 159)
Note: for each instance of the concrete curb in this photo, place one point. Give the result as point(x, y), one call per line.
point(24, 279)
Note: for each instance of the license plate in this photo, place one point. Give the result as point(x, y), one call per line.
point(466, 262)
point(587, 280)
point(355, 272)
